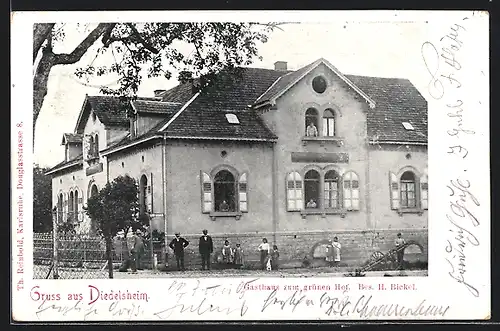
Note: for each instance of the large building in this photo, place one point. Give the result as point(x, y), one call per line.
point(294, 156)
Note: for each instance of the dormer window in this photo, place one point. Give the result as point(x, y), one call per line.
point(408, 126)
point(232, 119)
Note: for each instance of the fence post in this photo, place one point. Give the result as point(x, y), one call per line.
point(54, 243)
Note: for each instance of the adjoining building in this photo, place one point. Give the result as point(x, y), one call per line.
point(294, 156)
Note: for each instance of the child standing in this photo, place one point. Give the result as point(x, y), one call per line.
point(227, 253)
point(238, 256)
point(275, 256)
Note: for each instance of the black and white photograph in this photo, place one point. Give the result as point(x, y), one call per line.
point(284, 166)
point(260, 150)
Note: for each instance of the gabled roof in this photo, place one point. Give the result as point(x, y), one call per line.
point(232, 92)
point(76, 161)
point(191, 115)
point(397, 101)
point(110, 110)
point(283, 84)
point(74, 138)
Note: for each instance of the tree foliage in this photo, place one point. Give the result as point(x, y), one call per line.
point(149, 50)
point(42, 200)
point(115, 207)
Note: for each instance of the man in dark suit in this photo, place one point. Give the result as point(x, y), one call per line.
point(178, 244)
point(206, 248)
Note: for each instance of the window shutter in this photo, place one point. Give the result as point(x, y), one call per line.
point(243, 194)
point(351, 191)
point(424, 192)
point(394, 190)
point(206, 193)
point(149, 197)
point(294, 199)
point(87, 146)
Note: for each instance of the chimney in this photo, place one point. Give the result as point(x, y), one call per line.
point(280, 66)
point(158, 92)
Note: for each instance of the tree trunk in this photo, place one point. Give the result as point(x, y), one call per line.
point(109, 254)
point(40, 81)
point(49, 59)
point(41, 32)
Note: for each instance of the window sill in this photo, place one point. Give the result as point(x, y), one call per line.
point(235, 214)
point(322, 140)
point(323, 213)
point(417, 211)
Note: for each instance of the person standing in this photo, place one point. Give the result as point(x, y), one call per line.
point(177, 245)
point(206, 247)
point(227, 252)
point(275, 258)
point(238, 256)
point(336, 250)
point(311, 130)
point(264, 249)
point(137, 251)
point(399, 242)
point(329, 253)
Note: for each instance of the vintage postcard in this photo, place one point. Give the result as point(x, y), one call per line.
point(231, 165)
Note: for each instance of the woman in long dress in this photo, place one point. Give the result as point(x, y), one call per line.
point(329, 253)
point(238, 256)
point(264, 250)
point(336, 250)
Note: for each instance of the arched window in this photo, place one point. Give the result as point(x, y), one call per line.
point(96, 145)
point(331, 188)
point(351, 191)
point(407, 190)
point(71, 206)
point(294, 191)
point(225, 191)
point(60, 207)
point(311, 189)
point(75, 203)
point(91, 146)
point(311, 122)
point(329, 123)
point(143, 186)
point(94, 191)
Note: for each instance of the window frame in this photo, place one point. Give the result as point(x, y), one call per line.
point(395, 191)
point(319, 201)
point(314, 118)
point(339, 184)
point(325, 123)
point(402, 193)
point(209, 178)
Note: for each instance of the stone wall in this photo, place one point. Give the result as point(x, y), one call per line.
point(357, 246)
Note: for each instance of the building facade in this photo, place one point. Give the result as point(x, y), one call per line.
point(294, 156)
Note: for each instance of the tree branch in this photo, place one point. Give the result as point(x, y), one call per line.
point(82, 48)
point(141, 40)
point(40, 33)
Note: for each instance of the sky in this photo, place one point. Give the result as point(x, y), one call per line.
point(370, 48)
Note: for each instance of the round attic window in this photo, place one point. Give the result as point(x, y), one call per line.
point(319, 84)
